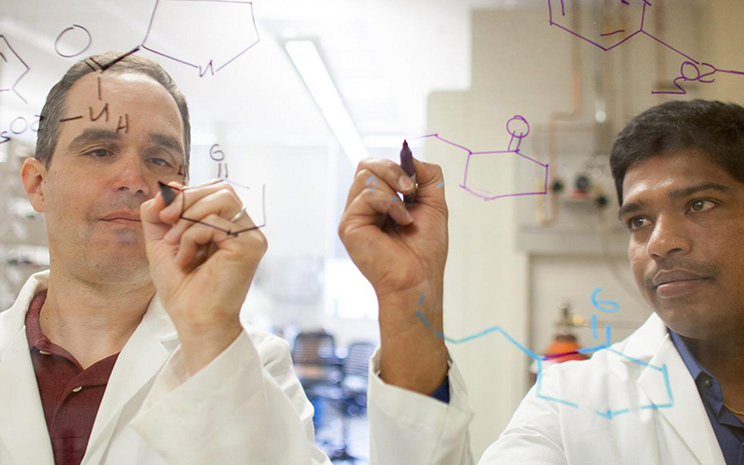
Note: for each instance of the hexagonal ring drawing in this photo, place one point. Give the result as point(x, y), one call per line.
point(633, 16)
point(196, 26)
point(477, 182)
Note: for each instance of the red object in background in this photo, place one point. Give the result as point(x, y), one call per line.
point(564, 347)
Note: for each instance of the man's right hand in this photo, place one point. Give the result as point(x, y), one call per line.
point(402, 249)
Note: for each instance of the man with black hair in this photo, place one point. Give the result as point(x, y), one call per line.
point(673, 392)
point(129, 350)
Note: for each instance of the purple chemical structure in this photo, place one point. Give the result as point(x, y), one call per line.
point(207, 38)
point(477, 183)
point(630, 22)
point(12, 68)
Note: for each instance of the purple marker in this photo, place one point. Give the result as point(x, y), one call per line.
point(406, 162)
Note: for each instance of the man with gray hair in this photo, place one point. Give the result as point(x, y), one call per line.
point(129, 350)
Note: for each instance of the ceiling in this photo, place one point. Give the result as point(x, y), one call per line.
point(385, 56)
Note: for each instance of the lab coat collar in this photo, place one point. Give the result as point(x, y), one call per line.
point(139, 362)
point(652, 345)
point(26, 436)
point(23, 429)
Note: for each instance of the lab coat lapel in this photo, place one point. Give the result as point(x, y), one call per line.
point(686, 415)
point(23, 428)
point(137, 365)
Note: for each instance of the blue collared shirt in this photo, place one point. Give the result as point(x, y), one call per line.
point(442, 392)
point(728, 427)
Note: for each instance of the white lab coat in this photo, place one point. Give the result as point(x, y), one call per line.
point(245, 407)
point(413, 429)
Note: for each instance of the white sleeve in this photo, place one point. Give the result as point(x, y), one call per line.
point(533, 435)
point(246, 406)
point(408, 428)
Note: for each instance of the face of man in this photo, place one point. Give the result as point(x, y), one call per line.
point(685, 215)
point(105, 165)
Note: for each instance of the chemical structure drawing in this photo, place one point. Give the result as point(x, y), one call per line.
point(198, 42)
point(195, 25)
point(12, 68)
point(630, 21)
point(197, 31)
point(60, 46)
point(605, 306)
point(476, 180)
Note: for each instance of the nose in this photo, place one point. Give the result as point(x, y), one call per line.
point(668, 238)
point(132, 176)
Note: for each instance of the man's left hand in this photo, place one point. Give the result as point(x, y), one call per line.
point(201, 269)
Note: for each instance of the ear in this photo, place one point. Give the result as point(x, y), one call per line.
point(33, 174)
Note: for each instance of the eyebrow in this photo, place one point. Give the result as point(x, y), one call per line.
point(93, 135)
point(167, 141)
point(675, 194)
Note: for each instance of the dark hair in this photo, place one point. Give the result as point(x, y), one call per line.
point(54, 108)
point(715, 128)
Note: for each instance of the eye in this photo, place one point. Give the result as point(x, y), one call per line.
point(160, 162)
point(701, 205)
point(636, 222)
point(99, 153)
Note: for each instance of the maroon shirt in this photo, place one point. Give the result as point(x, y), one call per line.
point(70, 395)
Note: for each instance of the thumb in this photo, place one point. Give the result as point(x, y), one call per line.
point(430, 180)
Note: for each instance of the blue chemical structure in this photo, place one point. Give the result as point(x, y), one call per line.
point(604, 306)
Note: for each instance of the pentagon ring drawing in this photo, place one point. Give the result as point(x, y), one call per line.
point(207, 35)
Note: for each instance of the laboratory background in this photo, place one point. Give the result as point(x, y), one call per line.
point(518, 100)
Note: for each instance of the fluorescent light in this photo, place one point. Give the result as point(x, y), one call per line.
point(312, 70)
point(390, 141)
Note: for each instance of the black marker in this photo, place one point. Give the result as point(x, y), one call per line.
point(406, 162)
point(168, 193)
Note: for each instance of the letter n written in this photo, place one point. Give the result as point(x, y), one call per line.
point(103, 112)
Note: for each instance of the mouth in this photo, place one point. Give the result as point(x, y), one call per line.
point(123, 217)
point(677, 283)
point(122, 220)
